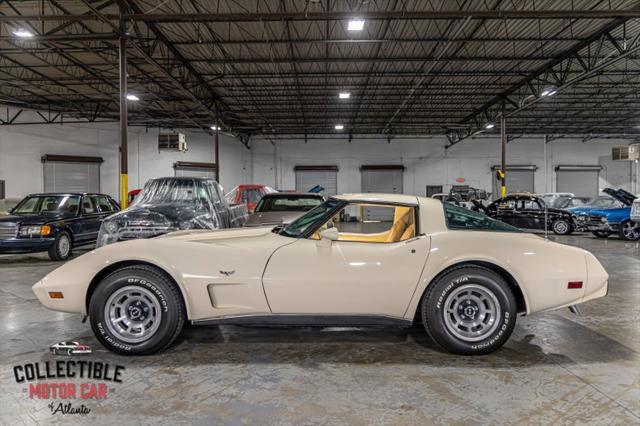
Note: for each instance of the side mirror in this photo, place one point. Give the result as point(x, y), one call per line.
point(328, 236)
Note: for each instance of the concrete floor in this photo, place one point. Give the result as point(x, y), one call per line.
point(557, 368)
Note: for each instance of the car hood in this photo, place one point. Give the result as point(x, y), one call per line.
point(34, 219)
point(172, 212)
point(272, 218)
point(621, 195)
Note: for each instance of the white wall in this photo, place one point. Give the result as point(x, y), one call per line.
point(428, 163)
point(426, 160)
point(22, 146)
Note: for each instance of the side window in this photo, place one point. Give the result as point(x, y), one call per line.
point(508, 204)
point(88, 207)
point(530, 205)
point(461, 218)
point(372, 223)
point(103, 204)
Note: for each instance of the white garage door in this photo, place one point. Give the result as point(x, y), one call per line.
point(579, 180)
point(309, 176)
point(189, 169)
point(384, 179)
point(71, 174)
point(519, 179)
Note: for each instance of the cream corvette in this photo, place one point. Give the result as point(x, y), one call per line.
point(357, 259)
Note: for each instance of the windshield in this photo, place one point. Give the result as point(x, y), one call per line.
point(287, 204)
point(48, 204)
point(605, 202)
point(164, 191)
point(314, 216)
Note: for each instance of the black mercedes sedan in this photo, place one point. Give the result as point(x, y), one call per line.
point(54, 223)
point(530, 212)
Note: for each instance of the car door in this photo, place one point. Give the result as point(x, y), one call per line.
point(531, 215)
point(505, 210)
point(91, 218)
point(363, 273)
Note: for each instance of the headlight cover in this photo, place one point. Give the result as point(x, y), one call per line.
point(28, 231)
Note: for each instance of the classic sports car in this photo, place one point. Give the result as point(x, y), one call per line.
point(463, 275)
point(609, 214)
point(69, 348)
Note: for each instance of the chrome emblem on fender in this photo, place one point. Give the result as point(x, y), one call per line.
point(227, 273)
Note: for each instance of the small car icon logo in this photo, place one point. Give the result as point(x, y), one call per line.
point(69, 348)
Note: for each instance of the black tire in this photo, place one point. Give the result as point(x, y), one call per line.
point(62, 247)
point(156, 285)
point(69, 352)
point(601, 234)
point(629, 230)
point(561, 227)
point(450, 283)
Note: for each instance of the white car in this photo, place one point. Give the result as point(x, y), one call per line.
point(69, 348)
point(357, 259)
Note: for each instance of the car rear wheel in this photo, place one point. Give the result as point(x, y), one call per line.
point(601, 234)
point(561, 227)
point(469, 310)
point(630, 230)
point(61, 248)
point(137, 310)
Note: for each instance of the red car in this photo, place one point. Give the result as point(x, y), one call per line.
point(248, 194)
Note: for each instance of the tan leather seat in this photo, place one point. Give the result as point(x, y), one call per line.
point(403, 218)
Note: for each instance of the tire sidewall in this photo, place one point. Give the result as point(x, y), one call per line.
point(54, 251)
point(433, 310)
point(168, 322)
point(622, 234)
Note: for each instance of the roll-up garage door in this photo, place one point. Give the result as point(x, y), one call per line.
point(308, 177)
point(193, 169)
point(67, 173)
point(579, 180)
point(519, 179)
point(383, 179)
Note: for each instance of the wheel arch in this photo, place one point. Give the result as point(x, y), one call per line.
point(103, 273)
point(521, 301)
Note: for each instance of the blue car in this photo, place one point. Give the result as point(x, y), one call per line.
point(54, 223)
point(606, 215)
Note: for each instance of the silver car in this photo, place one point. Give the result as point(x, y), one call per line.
point(280, 208)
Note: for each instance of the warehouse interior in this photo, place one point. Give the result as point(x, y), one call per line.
point(415, 97)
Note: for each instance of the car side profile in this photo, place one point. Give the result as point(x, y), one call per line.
point(609, 214)
point(69, 348)
point(55, 223)
point(462, 275)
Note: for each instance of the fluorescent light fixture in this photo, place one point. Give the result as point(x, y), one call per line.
point(355, 25)
point(21, 32)
point(339, 126)
point(132, 97)
point(548, 92)
point(344, 95)
point(489, 126)
point(215, 128)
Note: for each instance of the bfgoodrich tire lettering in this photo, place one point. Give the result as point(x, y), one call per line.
point(464, 296)
point(161, 293)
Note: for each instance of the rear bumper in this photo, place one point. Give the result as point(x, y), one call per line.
point(25, 245)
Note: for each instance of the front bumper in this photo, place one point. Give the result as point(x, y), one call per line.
point(25, 245)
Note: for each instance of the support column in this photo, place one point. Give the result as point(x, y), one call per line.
point(503, 162)
point(124, 163)
point(216, 142)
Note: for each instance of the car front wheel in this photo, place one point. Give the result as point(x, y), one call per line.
point(561, 227)
point(469, 310)
point(137, 310)
point(61, 248)
point(630, 231)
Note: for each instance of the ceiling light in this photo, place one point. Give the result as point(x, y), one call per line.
point(132, 97)
point(339, 126)
point(21, 32)
point(344, 95)
point(549, 92)
point(355, 25)
point(489, 126)
point(215, 128)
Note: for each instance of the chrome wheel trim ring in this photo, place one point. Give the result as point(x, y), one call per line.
point(471, 312)
point(64, 245)
point(132, 314)
point(560, 226)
